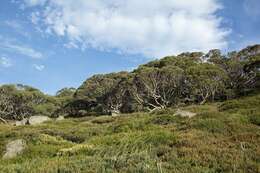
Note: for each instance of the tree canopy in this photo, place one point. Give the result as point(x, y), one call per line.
point(184, 79)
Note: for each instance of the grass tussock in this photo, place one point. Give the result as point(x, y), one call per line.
point(222, 137)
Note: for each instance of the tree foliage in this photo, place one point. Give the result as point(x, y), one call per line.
point(20, 101)
point(206, 81)
point(158, 88)
point(184, 79)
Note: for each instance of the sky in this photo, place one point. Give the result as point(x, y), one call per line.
point(52, 44)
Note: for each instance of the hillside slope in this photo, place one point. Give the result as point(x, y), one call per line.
point(223, 137)
point(188, 78)
point(183, 79)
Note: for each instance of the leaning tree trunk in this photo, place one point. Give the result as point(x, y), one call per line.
point(3, 120)
point(204, 99)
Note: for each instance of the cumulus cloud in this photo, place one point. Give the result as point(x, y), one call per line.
point(152, 28)
point(38, 67)
point(5, 62)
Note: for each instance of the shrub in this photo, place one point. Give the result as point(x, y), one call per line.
point(211, 125)
point(103, 120)
point(239, 104)
point(255, 118)
point(166, 111)
point(231, 105)
point(163, 119)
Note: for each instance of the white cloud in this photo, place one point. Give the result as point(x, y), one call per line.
point(24, 50)
point(18, 27)
point(5, 62)
point(35, 17)
point(34, 2)
point(38, 67)
point(71, 45)
point(13, 24)
point(152, 28)
point(13, 46)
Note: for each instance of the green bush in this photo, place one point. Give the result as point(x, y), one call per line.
point(231, 105)
point(166, 111)
point(255, 118)
point(212, 142)
point(103, 120)
point(211, 125)
point(47, 109)
point(239, 104)
point(164, 119)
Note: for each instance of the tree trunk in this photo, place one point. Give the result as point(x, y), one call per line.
point(154, 109)
point(3, 120)
point(204, 99)
point(203, 102)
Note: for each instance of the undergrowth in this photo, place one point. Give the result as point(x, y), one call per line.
point(222, 137)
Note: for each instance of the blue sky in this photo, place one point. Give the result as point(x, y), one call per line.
point(52, 44)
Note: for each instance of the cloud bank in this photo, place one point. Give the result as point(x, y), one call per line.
point(151, 28)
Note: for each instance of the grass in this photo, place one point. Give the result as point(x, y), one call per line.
point(223, 137)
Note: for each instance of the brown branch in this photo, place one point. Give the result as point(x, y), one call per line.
point(3, 120)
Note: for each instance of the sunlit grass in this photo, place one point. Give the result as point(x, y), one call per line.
point(223, 137)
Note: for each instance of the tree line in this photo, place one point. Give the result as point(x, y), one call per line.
point(189, 78)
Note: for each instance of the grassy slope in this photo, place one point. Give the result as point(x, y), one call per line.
point(220, 139)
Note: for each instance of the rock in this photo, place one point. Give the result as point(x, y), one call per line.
point(185, 113)
point(75, 149)
point(34, 120)
point(115, 113)
point(21, 123)
point(60, 118)
point(14, 148)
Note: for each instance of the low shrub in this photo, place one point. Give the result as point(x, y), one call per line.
point(211, 125)
point(103, 120)
point(255, 118)
point(164, 119)
point(166, 111)
point(240, 104)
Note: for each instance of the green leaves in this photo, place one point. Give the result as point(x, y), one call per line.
point(206, 81)
point(19, 101)
point(187, 78)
